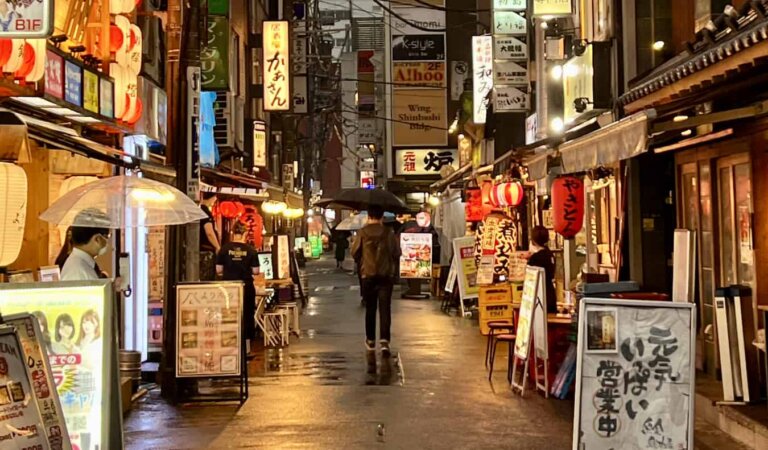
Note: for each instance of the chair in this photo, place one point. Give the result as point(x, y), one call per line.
point(493, 327)
point(274, 325)
point(292, 311)
point(509, 338)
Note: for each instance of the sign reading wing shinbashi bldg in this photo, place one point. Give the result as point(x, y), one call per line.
point(277, 66)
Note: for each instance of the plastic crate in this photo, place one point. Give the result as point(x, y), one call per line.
point(493, 312)
point(495, 294)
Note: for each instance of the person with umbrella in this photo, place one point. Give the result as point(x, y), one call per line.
point(87, 244)
point(377, 250)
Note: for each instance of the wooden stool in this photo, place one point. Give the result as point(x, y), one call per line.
point(493, 327)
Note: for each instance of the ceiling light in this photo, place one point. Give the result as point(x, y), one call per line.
point(556, 72)
point(658, 45)
point(557, 125)
point(680, 118)
point(686, 133)
point(63, 111)
point(37, 102)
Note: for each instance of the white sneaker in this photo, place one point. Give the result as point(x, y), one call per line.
point(385, 348)
point(370, 346)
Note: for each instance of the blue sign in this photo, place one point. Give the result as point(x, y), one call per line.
point(73, 83)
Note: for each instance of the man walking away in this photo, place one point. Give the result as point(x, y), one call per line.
point(238, 261)
point(377, 250)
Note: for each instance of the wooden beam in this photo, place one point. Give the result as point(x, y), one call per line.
point(755, 110)
point(747, 56)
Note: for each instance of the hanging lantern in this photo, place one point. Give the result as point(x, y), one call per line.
point(568, 205)
point(507, 194)
point(240, 209)
point(6, 47)
point(27, 62)
point(13, 211)
point(473, 207)
point(17, 56)
point(486, 197)
point(255, 223)
point(38, 70)
point(115, 38)
point(228, 210)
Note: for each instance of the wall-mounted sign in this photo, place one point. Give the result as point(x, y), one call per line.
point(277, 66)
point(510, 72)
point(265, 265)
point(419, 74)
point(482, 76)
point(459, 73)
point(510, 99)
point(509, 48)
point(259, 144)
point(82, 354)
point(420, 47)
point(424, 161)
point(423, 17)
point(91, 91)
point(208, 341)
point(552, 7)
point(510, 5)
point(300, 95)
point(73, 83)
point(107, 98)
point(531, 129)
point(288, 177)
point(27, 19)
point(416, 255)
point(214, 56)
point(421, 116)
point(218, 7)
point(367, 131)
point(367, 179)
point(509, 22)
point(282, 256)
point(299, 47)
point(54, 74)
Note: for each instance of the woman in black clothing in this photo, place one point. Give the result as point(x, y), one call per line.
point(542, 256)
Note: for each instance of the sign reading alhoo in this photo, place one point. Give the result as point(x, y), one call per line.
point(419, 74)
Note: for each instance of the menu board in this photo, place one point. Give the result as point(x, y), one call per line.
point(20, 421)
point(265, 266)
point(77, 319)
point(283, 254)
point(31, 337)
point(635, 375)
point(527, 303)
point(156, 250)
point(208, 340)
point(464, 254)
point(416, 255)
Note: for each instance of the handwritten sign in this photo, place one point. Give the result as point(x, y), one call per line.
point(208, 342)
point(482, 75)
point(265, 265)
point(33, 341)
point(635, 375)
point(509, 22)
point(276, 66)
point(527, 306)
point(510, 99)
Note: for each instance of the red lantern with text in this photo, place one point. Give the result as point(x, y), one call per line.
point(507, 194)
point(6, 48)
point(473, 208)
point(228, 210)
point(568, 205)
point(486, 197)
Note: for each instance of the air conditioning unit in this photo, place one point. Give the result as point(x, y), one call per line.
point(224, 131)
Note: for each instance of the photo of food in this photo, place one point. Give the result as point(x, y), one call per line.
point(229, 316)
point(189, 317)
point(228, 363)
point(188, 364)
point(229, 338)
point(188, 340)
point(5, 397)
point(17, 392)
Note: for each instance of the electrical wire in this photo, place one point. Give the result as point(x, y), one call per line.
point(387, 119)
point(442, 8)
point(413, 24)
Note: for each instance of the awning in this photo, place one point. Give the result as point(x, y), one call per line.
point(615, 142)
point(438, 186)
point(537, 165)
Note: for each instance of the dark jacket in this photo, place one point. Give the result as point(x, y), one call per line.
point(545, 259)
point(376, 250)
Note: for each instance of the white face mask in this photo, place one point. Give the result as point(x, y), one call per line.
point(103, 250)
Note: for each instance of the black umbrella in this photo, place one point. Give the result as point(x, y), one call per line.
point(361, 199)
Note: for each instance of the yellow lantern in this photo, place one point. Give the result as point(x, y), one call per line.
point(13, 211)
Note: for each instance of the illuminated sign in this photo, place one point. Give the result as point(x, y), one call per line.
point(425, 161)
point(107, 96)
point(54, 75)
point(552, 7)
point(419, 74)
point(26, 19)
point(78, 318)
point(259, 144)
point(277, 66)
point(482, 76)
point(73, 83)
point(91, 91)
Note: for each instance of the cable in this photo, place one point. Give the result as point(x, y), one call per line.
point(442, 8)
point(367, 116)
point(414, 25)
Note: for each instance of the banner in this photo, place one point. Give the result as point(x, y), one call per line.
point(77, 319)
point(416, 255)
point(20, 419)
point(208, 339)
point(466, 268)
point(33, 342)
point(421, 117)
point(635, 375)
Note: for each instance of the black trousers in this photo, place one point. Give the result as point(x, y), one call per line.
point(377, 292)
point(249, 311)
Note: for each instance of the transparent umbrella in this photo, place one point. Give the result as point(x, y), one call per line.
point(358, 221)
point(123, 202)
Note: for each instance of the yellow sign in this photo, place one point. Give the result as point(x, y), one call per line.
point(276, 65)
point(91, 91)
point(419, 74)
point(551, 7)
point(420, 117)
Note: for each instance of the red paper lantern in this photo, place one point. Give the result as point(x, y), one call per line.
point(228, 210)
point(6, 48)
point(255, 223)
point(240, 209)
point(28, 62)
point(115, 38)
point(486, 197)
point(137, 114)
point(568, 205)
point(507, 194)
point(473, 208)
point(133, 40)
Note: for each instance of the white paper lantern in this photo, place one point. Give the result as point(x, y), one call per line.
point(17, 56)
point(134, 53)
point(121, 55)
point(40, 54)
point(121, 87)
point(13, 211)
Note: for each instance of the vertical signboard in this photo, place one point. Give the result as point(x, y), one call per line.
point(259, 144)
point(510, 71)
point(482, 76)
point(214, 56)
point(54, 74)
point(106, 98)
point(466, 269)
point(416, 255)
point(276, 65)
point(208, 343)
point(91, 91)
point(552, 7)
point(635, 374)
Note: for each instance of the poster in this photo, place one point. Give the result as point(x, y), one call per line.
point(283, 253)
point(416, 255)
point(77, 319)
point(20, 418)
point(52, 416)
point(265, 266)
point(464, 253)
point(421, 117)
point(635, 375)
point(208, 340)
point(317, 246)
point(541, 344)
point(525, 319)
point(156, 250)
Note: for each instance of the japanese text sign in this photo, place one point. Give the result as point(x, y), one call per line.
point(464, 257)
point(27, 19)
point(214, 56)
point(259, 143)
point(509, 48)
point(425, 161)
point(509, 99)
point(635, 375)
point(277, 68)
point(416, 255)
point(54, 74)
point(73, 83)
point(552, 7)
point(209, 341)
point(91, 91)
point(509, 22)
point(510, 5)
point(482, 76)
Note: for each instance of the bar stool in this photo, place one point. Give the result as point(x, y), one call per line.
point(509, 338)
point(493, 327)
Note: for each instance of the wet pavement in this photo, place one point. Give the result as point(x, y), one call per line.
point(323, 391)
